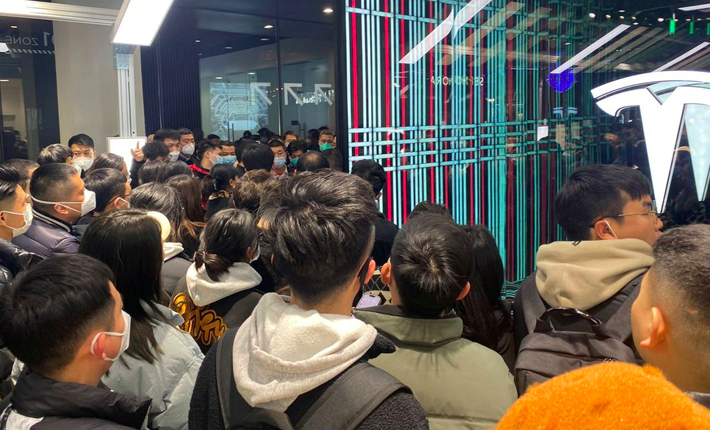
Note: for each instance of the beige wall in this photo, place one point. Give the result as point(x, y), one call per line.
point(87, 83)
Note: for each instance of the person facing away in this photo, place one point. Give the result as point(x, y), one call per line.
point(156, 150)
point(63, 319)
point(671, 316)
point(290, 351)
point(609, 217)
point(460, 384)
point(311, 161)
point(25, 168)
point(219, 185)
point(486, 318)
point(220, 288)
point(162, 361)
point(385, 230)
point(257, 156)
point(60, 199)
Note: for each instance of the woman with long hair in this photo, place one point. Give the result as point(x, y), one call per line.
point(486, 318)
point(194, 220)
point(161, 361)
point(218, 186)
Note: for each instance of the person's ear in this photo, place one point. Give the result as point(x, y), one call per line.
point(370, 270)
point(658, 330)
point(3, 219)
point(386, 273)
point(61, 209)
point(603, 230)
point(99, 345)
point(464, 292)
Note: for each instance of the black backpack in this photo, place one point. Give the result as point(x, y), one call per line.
point(344, 405)
point(565, 339)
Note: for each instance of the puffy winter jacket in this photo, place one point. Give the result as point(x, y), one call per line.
point(48, 237)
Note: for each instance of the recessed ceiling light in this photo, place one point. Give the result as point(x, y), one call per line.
point(660, 19)
point(219, 78)
point(268, 26)
point(687, 19)
point(592, 15)
point(636, 23)
point(264, 39)
point(622, 10)
point(197, 40)
point(622, 17)
point(328, 10)
point(14, 27)
point(228, 47)
point(608, 16)
point(634, 18)
point(252, 73)
point(568, 43)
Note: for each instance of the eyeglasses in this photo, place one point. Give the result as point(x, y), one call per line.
point(651, 212)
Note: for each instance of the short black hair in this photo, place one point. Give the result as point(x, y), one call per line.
point(56, 153)
point(23, 168)
point(52, 182)
point(107, 184)
point(184, 131)
point(160, 198)
point(203, 147)
point(212, 137)
point(227, 143)
point(429, 208)
point(172, 169)
point(323, 227)
point(253, 187)
point(372, 172)
point(325, 132)
point(247, 134)
point(49, 310)
point(167, 133)
point(595, 192)
point(109, 161)
point(431, 264)
point(257, 156)
point(290, 133)
point(155, 149)
point(335, 159)
point(9, 180)
point(219, 177)
point(297, 145)
point(275, 143)
point(312, 161)
point(82, 139)
point(150, 172)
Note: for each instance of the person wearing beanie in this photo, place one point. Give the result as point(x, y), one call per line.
point(618, 396)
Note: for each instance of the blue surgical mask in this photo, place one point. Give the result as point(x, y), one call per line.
point(279, 162)
point(229, 159)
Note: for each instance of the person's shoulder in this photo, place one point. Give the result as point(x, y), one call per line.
point(55, 423)
point(398, 411)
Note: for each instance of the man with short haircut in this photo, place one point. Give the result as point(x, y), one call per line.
point(290, 136)
point(611, 222)
point(326, 140)
point(227, 153)
point(55, 153)
point(65, 356)
point(460, 384)
point(187, 146)
point(60, 199)
point(207, 154)
point(671, 316)
point(214, 138)
point(171, 139)
point(385, 230)
point(257, 156)
point(112, 191)
point(25, 168)
point(295, 149)
point(82, 145)
point(335, 159)
point(280, 158)
point(289, 352)
point(312, 161)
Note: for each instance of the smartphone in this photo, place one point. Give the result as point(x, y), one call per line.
point(368, 301)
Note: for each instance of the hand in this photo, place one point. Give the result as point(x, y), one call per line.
point(137, 154)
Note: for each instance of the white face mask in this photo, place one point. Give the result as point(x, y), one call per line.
point(188, 149)
point(84, 163)
point(77, 167)
point(27, 215)
point(125, 337)
point(174, 155)
point(257, 254)
point(88, 205)
point(611, 229)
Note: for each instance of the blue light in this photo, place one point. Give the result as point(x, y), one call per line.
point(561, 82)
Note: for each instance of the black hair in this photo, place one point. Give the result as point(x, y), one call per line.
point(162, 135)
point(228, 235)
point(227, 143)
point(372, 172)
point(482, 308)
point(82, 140)
point(160, 198)
point(56, 153)
point(203, 147)
point(297, 145)
point(335, 159)
point(218, 179)
point(290, 132)
point(52, 183)
point(184, 131)
point(109, 161)
point(247, 134)
point(49, 310)
point(150, 172)
point(23, 168)
point(275, 143)
point(129, 243)
point(323, 127)
point(326, 132)
point(172, 169)
point(595, 192)
point(312, 161)
point(313, 135)
point(429, 208)
point(9, 180)
point(107, 184)
point(430, 264)
point(212, 137)
point(323, 226)
point(251, 189)
point(155, 149)
point(257, 156)
point(188, 188)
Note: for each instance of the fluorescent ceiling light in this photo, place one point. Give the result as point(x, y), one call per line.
point(591, 48)
point(14, 27)
point(139, 21)
point(4, 80)
point(696, 7)
point(328, 10)
point(268, 26)
point(219, 78)
point(264, 39)
point(252, 73)
point(683, 57)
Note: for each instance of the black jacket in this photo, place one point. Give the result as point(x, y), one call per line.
point(702, 398)
point(385, 232)
point(399, 411)
point(66, 406)
point(13, 260)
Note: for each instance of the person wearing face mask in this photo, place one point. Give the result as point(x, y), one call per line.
point(60, 199)
point(222, 281)
point(280, 168)
point(60, 386)
point(295, 149)
point(207, 152)
point(219, 185)
point(187, 146)
point(82, 147)
point(161, 361)
point(113, 192)
point(326, 140)
point(227, 152)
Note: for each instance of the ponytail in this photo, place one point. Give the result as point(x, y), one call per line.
point(215, 266)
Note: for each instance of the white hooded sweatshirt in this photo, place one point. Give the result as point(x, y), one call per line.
point(282, 351)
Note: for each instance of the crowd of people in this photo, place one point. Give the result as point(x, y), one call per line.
point(254, 284)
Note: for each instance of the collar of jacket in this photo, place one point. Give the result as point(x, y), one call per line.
point(199, 169)
point(14, 257)
point(702, 398)
point(51, 220)
point(395, 323)
point(37, 397)
point(160, 312)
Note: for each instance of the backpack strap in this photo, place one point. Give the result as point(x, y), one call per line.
point(533, 305)
point(363, 387)
point(619, 325)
